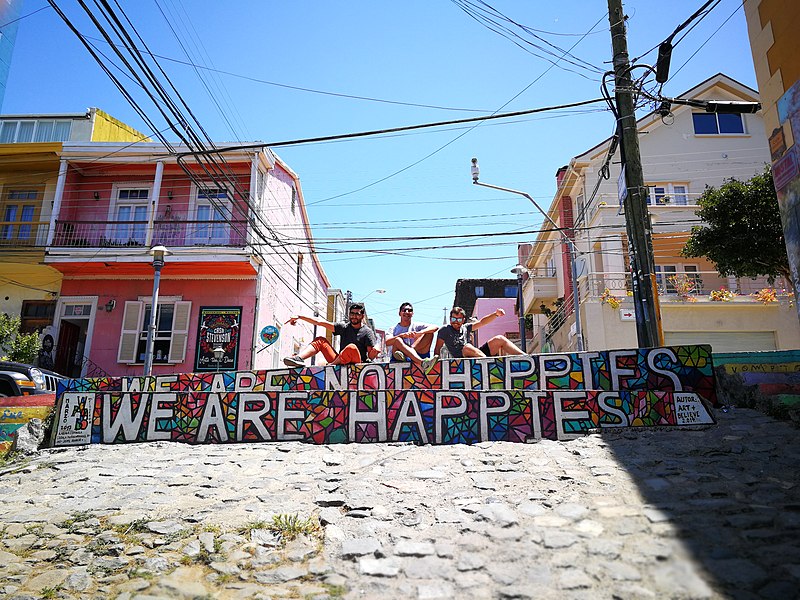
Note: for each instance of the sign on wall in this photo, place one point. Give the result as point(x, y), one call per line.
point(513, 399)
point(219, 327)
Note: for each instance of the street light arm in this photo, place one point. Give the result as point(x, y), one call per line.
point(572, 251)
point(539, 208)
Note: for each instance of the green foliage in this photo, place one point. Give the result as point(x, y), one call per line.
point(291, 526)
point(742, 232)
point(16, 346)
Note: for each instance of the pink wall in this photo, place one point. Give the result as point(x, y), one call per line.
point(501, 325)
point(107, 326)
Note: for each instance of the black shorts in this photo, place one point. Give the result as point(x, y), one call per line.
point(485, 349)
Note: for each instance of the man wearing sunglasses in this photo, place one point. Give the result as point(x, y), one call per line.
point(412, 341)
point(456, 337)
point(356, 340)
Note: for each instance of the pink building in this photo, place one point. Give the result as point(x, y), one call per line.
point(241, 260)
point(507, 325)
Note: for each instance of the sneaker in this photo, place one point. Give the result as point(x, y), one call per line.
point(399, 355)
point(294, 361)
point(429, 363)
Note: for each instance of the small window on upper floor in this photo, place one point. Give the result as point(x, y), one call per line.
point(510, 291)
point(479, 291)
point(716, 124)
point(294, 198)
point(299, 281)
point(668, 193)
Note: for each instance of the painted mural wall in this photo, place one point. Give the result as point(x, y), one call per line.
point(514, 399)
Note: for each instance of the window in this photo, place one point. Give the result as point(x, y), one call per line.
point(19, 210)
point(36, 315)
point(131, 217)
point(715, 124)
point(32, 130)
point(171, 336)
point(580, 207)
point(294, 198)
point(510, 291)
point(664, 278)
point(212, 214)
point(668, 193)
point(550, 267)
point(667, 276)
point(299, 272)
point(479, 291)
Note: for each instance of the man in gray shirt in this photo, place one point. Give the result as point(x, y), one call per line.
point(456, 337)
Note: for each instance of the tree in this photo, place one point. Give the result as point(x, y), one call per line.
point(741, 232)
point(16, 346)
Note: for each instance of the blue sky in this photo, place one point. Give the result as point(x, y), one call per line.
point(418, 52)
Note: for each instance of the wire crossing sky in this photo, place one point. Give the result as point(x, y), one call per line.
point(258, 71)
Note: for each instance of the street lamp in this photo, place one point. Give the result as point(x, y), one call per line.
point(373, 292)
point(158, 253)
point(572, 251)
point(219, 352)
point(518, 271)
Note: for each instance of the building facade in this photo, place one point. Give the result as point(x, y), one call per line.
point(80, 219)
point(682, 153)
point(772, 26)
point(240, 261)
point(30, 159)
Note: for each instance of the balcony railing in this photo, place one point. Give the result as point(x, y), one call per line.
point(23, 233)
point(133, 234)
point(698, 285)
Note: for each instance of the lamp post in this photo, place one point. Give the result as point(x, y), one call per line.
point(518, 271)
point(219, 352)
point(572, 251)
point(158, 253)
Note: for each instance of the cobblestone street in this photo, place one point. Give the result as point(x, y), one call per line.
point(712, 513)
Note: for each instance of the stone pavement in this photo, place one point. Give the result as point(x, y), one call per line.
point(711, 513)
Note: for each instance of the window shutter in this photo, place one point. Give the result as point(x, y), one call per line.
point(129, 339)
point(180, 332)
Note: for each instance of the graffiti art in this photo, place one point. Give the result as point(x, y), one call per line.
point(513, 399)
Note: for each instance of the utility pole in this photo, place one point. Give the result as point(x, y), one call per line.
point(637, 216)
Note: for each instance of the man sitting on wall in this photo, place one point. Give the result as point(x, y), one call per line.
point(412, 340)
point(356, 340)
point(456, 337)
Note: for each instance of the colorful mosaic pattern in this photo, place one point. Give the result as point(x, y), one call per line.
point(516, 399)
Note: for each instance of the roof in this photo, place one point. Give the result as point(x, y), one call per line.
point(465, 296)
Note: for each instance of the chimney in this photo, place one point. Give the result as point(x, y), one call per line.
point(560, 175)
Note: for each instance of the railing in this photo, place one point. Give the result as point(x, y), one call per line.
point(122, 234)
point(91, 368)
point(698, 284)
point(23, 233)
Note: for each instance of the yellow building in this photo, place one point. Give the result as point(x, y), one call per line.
point(773, 27)
point(30, 161)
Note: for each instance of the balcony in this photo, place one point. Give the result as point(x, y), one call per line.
point(540, 288)
point(695, 286)
point(23, 233)
point(133, 234)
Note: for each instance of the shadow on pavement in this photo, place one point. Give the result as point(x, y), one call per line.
point(730, 495)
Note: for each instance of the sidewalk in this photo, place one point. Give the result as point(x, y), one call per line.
point(627, 514)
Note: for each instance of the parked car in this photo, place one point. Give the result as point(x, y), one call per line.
point(17, 379)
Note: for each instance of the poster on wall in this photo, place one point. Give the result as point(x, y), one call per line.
point(218, 328)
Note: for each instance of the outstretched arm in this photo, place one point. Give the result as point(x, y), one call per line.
point(411, 336)
point(488, 318)
point(313, 320)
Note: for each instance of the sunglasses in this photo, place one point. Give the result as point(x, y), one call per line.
point(355, 313)
point(407, 310)
point(456, 319)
